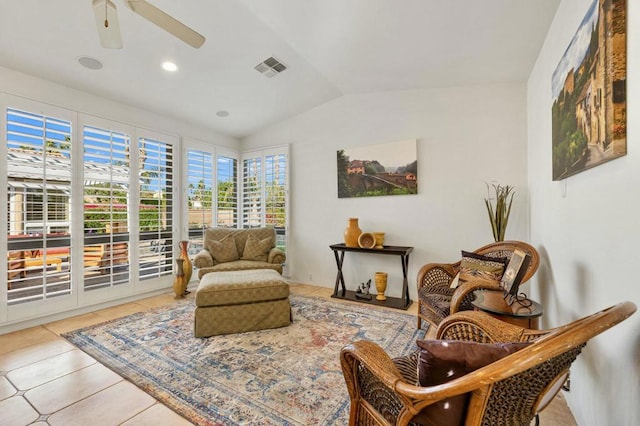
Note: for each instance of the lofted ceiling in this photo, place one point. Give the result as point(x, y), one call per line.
point(331, 48)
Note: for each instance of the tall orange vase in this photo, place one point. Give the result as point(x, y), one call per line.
point(352, 233)
point(187, 267)
point(179, 282)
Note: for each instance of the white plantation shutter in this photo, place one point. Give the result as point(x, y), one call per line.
point(106, 208)
point(265, 186)
point(156, 246)
point(199, 196)
point(93, 219)
point(227, 202)
point(212, 192)
point(252, 193)
point(38, 165)
point(275, 201)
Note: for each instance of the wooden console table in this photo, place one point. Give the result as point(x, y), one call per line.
point(493, 303)
point(340, 292)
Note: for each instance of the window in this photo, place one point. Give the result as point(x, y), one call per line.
point(38, 165)
point(275, 199)
point(207, 207)
point(57, 207)
point(265, 191)
point(199, 196)
point(252, 193)
point(34, 211)
point(156, 249)
point(106, 208)
point(227, 178)
point(92, 219)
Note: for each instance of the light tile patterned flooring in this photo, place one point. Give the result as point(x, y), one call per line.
point(44, 380)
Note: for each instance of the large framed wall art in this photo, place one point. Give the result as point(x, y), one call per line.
point(589, 120)
point(374, 170)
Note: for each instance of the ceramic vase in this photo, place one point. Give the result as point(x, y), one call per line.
point(179, 282)
point(187, 267)
point(352, 233)
point(381, 285)
point(379, 236)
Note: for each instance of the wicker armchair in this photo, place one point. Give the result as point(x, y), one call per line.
point(510, 391)
point(436, 299)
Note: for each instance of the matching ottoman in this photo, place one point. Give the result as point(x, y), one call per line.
point(239, 301)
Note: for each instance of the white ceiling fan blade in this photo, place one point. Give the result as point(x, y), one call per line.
point(166, 22)
point(107, 24)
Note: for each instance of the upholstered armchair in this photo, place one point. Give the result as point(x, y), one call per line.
point(436, 297)
point(511, 390)
point(230, 249)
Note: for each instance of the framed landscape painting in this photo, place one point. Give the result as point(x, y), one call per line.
point(374, 170)
point(589, 120)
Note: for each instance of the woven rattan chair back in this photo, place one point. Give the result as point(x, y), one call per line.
point(436, 298)
point(511, 391)
point(505, 249)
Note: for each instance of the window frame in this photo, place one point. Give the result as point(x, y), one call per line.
point(173, 231)
point(176, 230)
point(262, 154)
point(216, 152)
point(111, 292)
point(35, 308)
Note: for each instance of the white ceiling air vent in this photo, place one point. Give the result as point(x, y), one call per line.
point(270, 67)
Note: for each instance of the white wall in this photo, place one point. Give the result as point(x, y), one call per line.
point(26, 86)
point(466, 136)
point(589, 238)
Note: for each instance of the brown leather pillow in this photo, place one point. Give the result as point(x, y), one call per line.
point(440, 361)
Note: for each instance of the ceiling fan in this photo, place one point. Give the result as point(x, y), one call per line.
point(109, 27)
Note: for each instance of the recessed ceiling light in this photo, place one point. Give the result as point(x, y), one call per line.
point(91, 63)
point(222, 113)
point(169, 66)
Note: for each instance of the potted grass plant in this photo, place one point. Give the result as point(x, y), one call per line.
point(499, 213)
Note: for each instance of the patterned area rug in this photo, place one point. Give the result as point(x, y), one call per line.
point(284, 376)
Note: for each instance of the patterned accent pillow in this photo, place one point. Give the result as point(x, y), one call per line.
point(224, 250)
point(477, 266)
point(255, 249)
point(441, 361)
